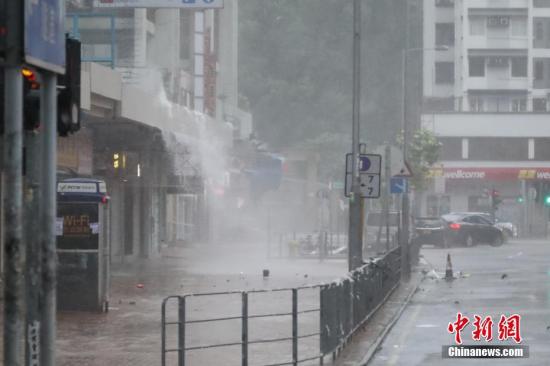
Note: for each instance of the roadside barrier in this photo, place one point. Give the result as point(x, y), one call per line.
point(315, 321)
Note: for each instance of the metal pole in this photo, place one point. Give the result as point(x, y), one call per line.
point(48, 216)
point(33, 250)
point(387, 195)
point(355, 232)
point(244, 331)
point(295, 326)
point(405, 264)
point(181, 331)
point(13, 205)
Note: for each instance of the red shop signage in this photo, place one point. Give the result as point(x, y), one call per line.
point(492, 173)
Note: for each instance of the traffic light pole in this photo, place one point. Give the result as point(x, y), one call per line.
point(13, 207)
point(48, 218)
point(33, 235)
point(355, 233)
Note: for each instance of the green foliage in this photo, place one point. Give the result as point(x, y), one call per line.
point(423, 153)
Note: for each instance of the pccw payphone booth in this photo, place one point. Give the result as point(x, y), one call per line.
point(83, 248)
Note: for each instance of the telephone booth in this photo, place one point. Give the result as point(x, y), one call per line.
point(83, 248)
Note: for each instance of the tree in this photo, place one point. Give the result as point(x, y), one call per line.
point(423, 153)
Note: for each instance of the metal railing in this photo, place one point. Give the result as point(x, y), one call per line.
point(342, 306)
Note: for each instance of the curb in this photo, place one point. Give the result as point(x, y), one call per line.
point(374, 348)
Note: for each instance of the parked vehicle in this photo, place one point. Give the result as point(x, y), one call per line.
point(508, 228)
point(470, 229)
point(429, 230)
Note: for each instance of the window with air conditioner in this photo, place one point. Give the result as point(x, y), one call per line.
point(498, 21)
point(497, 61)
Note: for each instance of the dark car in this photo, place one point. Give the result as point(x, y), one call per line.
point(429, 230)
point(469, 229)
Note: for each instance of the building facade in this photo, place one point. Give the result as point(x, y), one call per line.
point(487, 100)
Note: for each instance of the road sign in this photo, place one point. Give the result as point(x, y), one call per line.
point(398, 184)
point(45, 34)
point(369, 185)
point(369, 175)
point(404, 171)
point(158, 4)
point(368, 163)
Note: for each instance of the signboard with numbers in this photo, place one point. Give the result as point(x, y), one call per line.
point(369, 175)
point(45, 34)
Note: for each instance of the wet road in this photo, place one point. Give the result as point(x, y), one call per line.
point(514, 278)
point(130, 334)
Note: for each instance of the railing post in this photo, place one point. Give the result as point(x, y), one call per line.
point(244, 335)
point(163, 334)
point(181, 331)
point(295, 326)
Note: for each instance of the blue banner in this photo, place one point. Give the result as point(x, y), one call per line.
point(45, 34)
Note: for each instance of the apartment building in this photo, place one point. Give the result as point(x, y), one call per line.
point(487, 100)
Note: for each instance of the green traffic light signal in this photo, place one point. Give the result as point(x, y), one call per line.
point(547, 200)
point(520, 199)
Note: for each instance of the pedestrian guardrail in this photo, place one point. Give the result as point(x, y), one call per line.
point(317, 321)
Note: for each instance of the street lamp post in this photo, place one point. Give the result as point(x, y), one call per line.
point(405, 201)
point(355, 230)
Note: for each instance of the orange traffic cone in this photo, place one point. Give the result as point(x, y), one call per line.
point(449, 268)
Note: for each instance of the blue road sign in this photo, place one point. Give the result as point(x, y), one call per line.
point(398, 185)
point(45, 34)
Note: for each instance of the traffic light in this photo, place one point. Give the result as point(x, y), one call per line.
point(495, 199)
point(68, 98)
point(31, 99)
point(520, 199)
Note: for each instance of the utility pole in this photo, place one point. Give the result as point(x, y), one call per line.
point(13, 215)
point(48, 218)
point(405, 205)
point(355, 233)
point(387, 194)
point(13, 180)
point(33, 251)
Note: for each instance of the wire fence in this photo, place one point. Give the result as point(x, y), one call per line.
point(287, 326)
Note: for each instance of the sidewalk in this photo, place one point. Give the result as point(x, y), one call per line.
point(365, 343)
point(129, 335)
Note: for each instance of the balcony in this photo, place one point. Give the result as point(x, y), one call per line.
point(488, 124)
point(491, 83)
point(498, 4)
point(496, 42)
